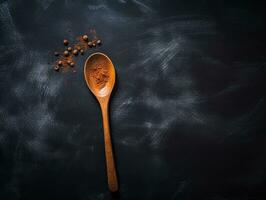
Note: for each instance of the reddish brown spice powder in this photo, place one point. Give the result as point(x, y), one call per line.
point(100, 75)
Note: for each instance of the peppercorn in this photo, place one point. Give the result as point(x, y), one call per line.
point(99, 42)
point(60, 62)
point(68, 62)
point(78, 48)
point(85, 37)
point(65, 42)
point(72, 64)
point(93, 44)
point(56, 53)
point(90, 44)
point(75, 52)
point(69, 49)
point(81, 51)
point(56, 68)
point(66, 53)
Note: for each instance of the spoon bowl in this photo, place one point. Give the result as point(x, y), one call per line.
point(99, 74)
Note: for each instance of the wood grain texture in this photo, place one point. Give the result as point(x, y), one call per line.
point(103, 95)
point(110, 163)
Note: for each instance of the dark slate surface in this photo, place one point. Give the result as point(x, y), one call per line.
point(187, 115)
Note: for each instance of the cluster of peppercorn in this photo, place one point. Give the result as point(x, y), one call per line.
point(66, 58)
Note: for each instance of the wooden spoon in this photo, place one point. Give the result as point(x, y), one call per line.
point(99, 74)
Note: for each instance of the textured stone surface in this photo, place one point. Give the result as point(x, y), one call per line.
point(187, 115)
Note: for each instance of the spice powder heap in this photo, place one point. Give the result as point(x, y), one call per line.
point(99, 75)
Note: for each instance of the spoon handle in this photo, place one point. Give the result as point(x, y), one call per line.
point(110, 164)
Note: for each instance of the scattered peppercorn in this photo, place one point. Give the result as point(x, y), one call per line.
point(56, 68)
point(99, 42)
point(66, 53)
point(66, 58)
point(75, 52)
point(72, 64)
point(85, 37)
point(90, 44)
point(65, 42)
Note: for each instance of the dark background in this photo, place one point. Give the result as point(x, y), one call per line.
point(187, 114)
